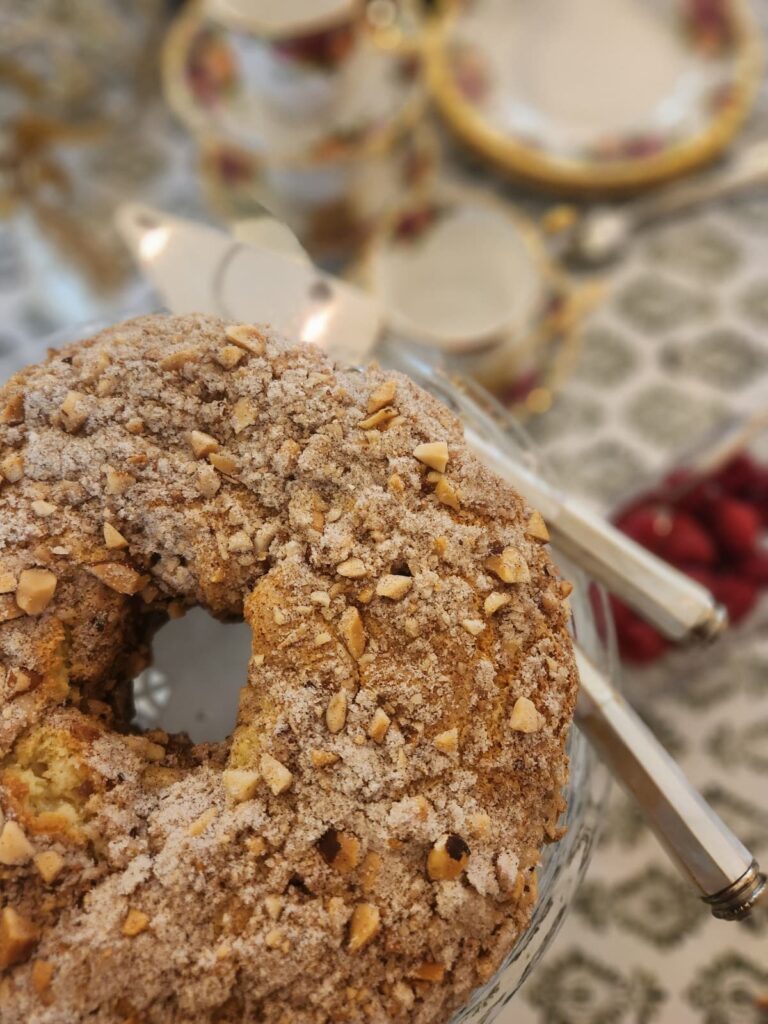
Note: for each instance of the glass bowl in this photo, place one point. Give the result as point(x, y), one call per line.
point(175, 692)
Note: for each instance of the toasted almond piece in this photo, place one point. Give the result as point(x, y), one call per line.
point(240, 783)
point(119, 577)
point(447, 494)
point(369, 871)
point(13, 411)
point(35, 590)
point(394, 587)
point(199, 825)
point(509, 566)
point(352, 631)
point(321, 597)
point(113, 538)
point(18, 937)
point(379, 725)
point(244, 415)
point(247, 337)
point(15, 848)
point(536, 528)
point(224, 462)
point(322, 638)
point(447, 742)
point(378, 419)
point(274, 939)
point(118, 482)
point(473, 626)
point(202, 444)
point(49, 864)
point(136, 922)
point(323, 758)
point(12, 467)
point(494, 601)
point(364, 926)
point(448, 858)
point(352, 568)
point(274, 906)
point(429, 971)
point(43, 508)
point(340, 850)
point(175, 360)
point(229, 356)
point(525, 716)
point(434, 454)
point(8, 583)
point(73, 411)
point(336, 712)
point(276, 775)
point(381, 396)
point(208, 481)
point(566, 588)
point(41, 975)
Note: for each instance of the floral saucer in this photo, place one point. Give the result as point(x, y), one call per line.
point(595, 95)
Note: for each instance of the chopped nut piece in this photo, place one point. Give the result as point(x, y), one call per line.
point(274, 939)
point(244, 415)
point(135, 425)
point(42, 973)
point(448, 858)
point(12, 467)
point(145, 747)
point(340, 850)
point(447, 742)
point(480, 823)
point(566, 588)
point(404, 994)
point(119, 577)
point(229, 356)
point(434, 455)
point(276, 775)
point(202, 444)
point(394, 587)
point(49, 864)
point(336, 712)
point(279, 617)
point(369, 871)
point(378, 419)
point(365, 924)
point(412, 627)
point(239, 541)
point(494, 601)
point(320, 597)
point(429, 971)
point(43, 508)
point(73, 411)
point(175, 360)
point(352, 568)
point(18, 937)
point(323, 638)
point(274, 905)
point(379, 725)
point(35, 590)
point(525, 716)
point(352, 632)
point(537, 528)
point(117, 481)
point(256, 845)
point(240, 783)
point(136, 922)
point(441, 546)
point(14, 409)
point(247, 337)
point(208, 481)
point(224, 462)
point(473, 626)
point(323, 758)
point(15, 848)
point(113, 538)
point(382, 395)
point(199, 825)
point(8, 583)
point(447, 494)
point(509, 566)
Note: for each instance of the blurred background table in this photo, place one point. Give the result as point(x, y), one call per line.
point(680, 340)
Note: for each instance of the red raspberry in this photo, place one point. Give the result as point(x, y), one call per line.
point(738, 595)
point(736, 525)
point(686, 541)
point(740, 476)
point(755, 567)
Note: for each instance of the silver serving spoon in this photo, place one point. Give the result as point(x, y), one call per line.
point(602, 233)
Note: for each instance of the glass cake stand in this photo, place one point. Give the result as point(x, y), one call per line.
point(176, 692)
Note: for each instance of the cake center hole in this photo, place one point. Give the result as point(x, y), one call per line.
point(199, 667)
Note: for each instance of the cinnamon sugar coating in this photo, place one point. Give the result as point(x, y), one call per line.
point(370, 854)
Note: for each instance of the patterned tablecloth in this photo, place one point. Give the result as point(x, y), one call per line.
point(681, 340)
